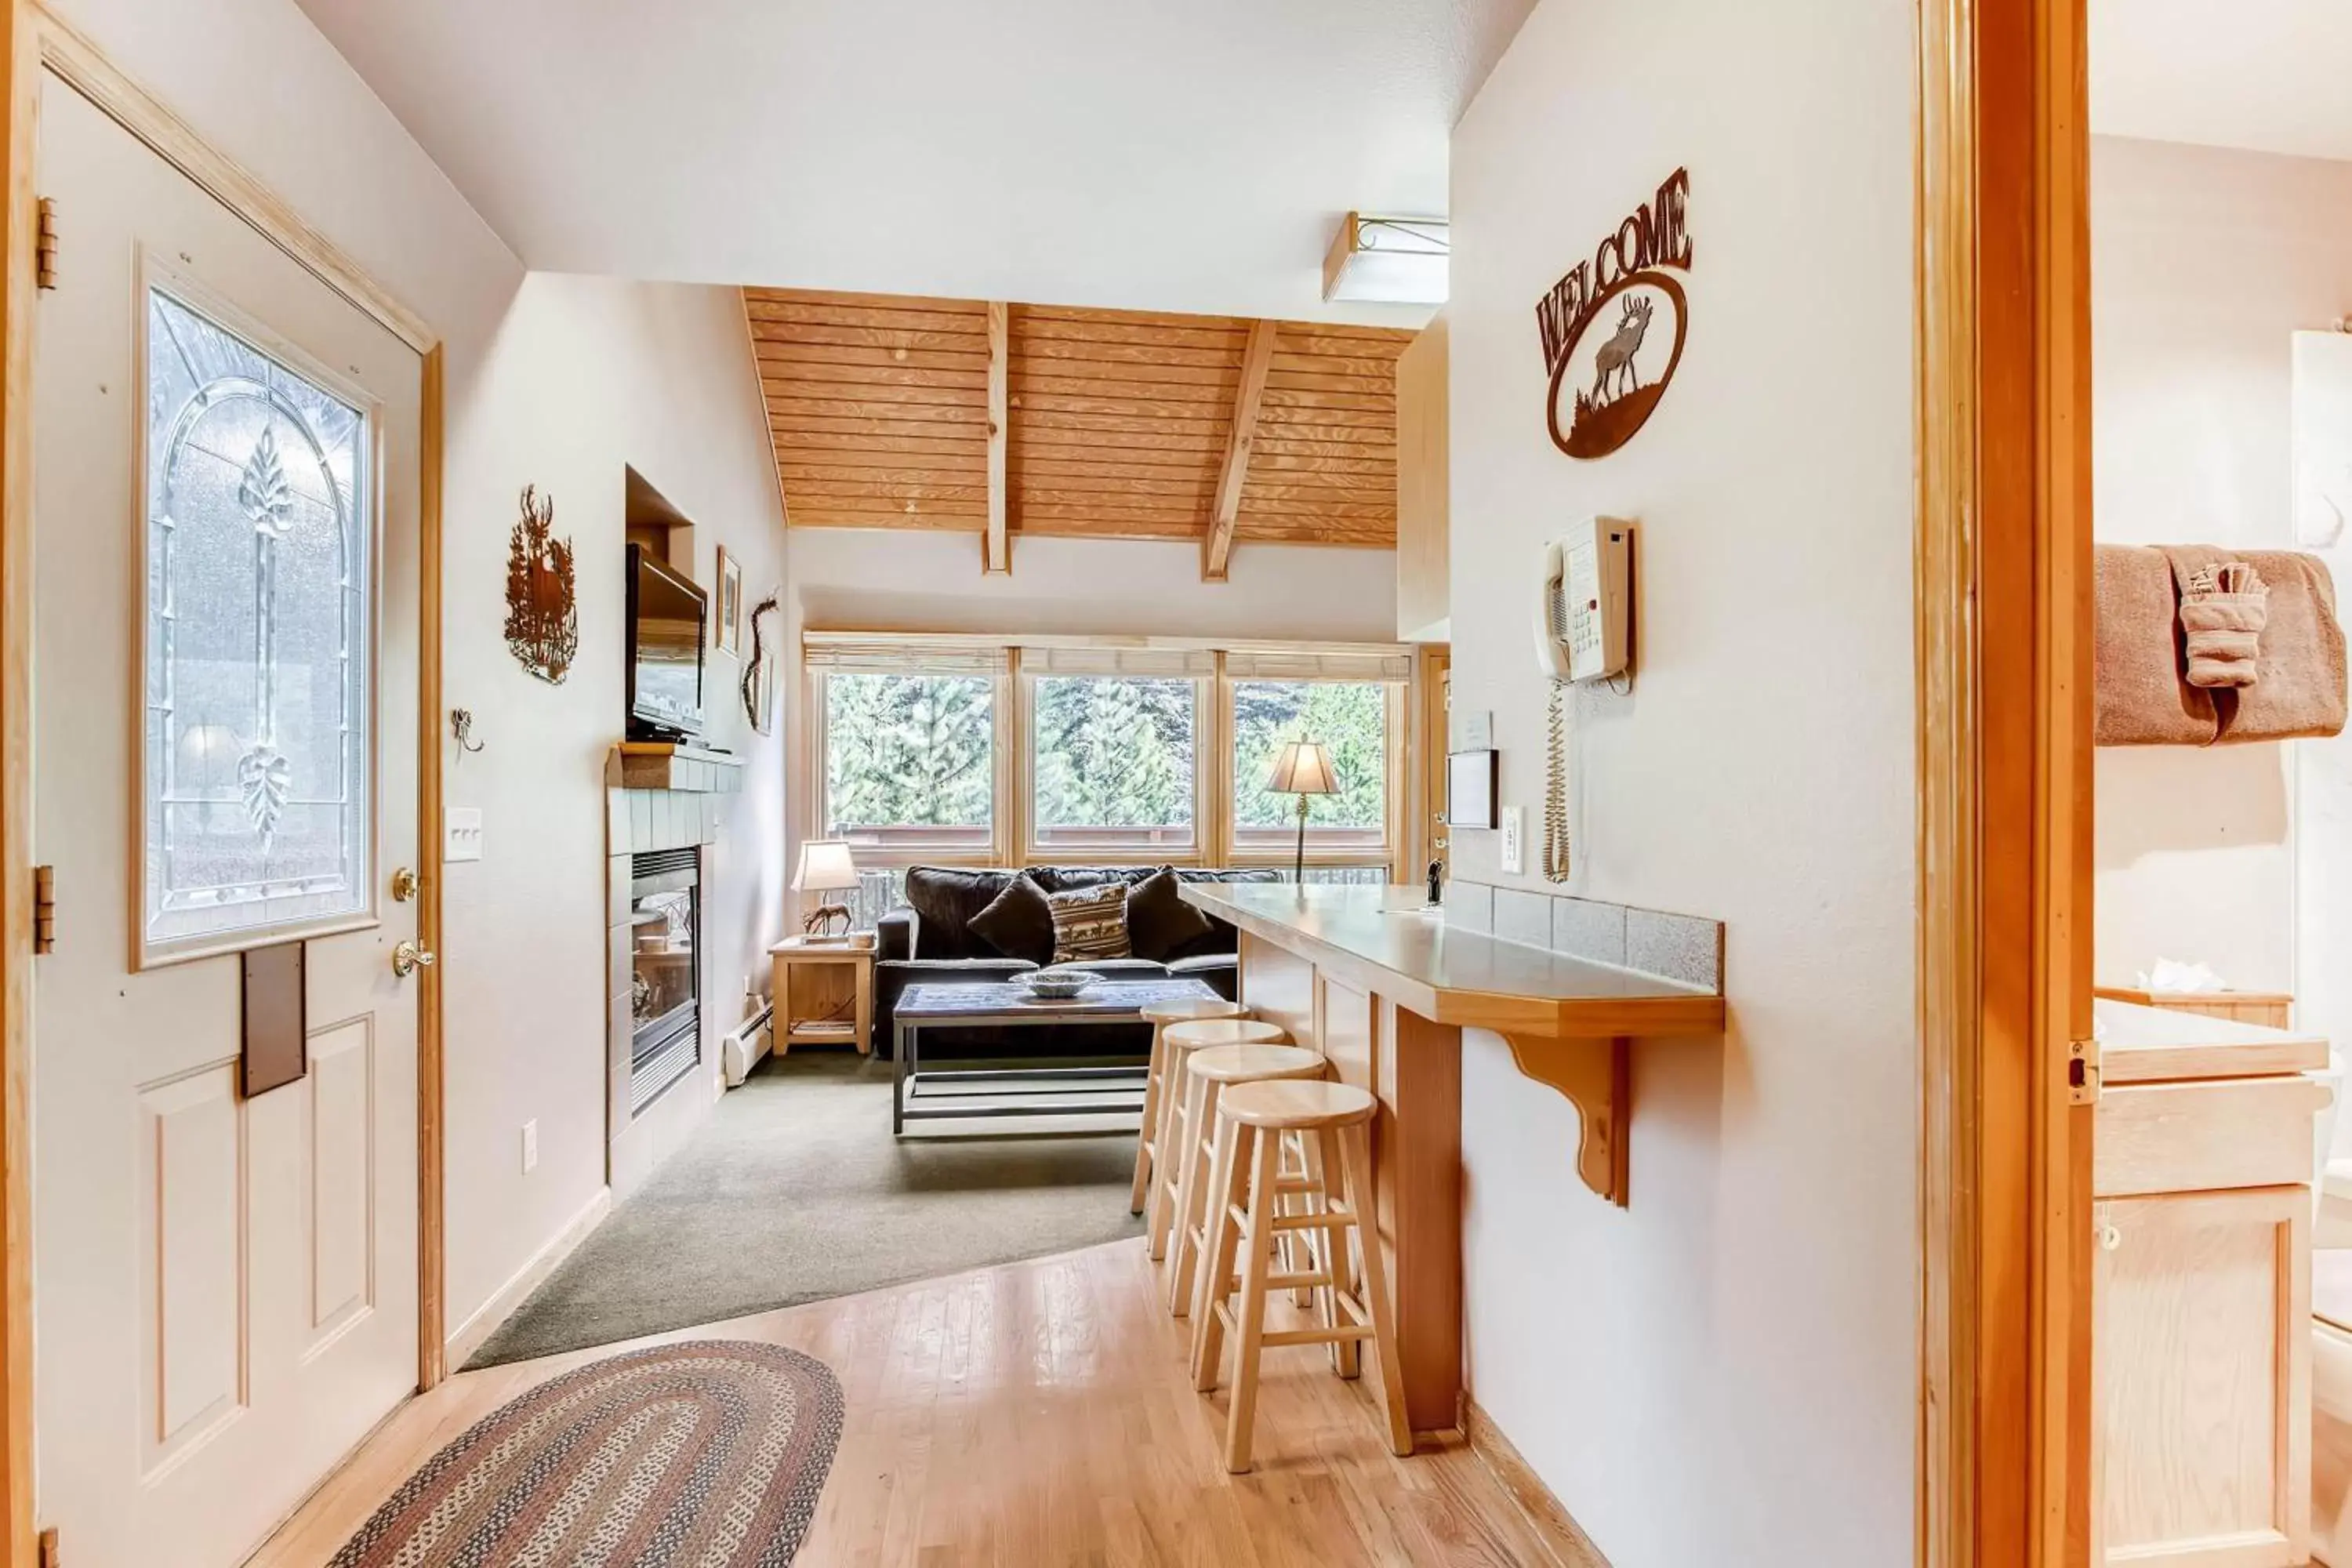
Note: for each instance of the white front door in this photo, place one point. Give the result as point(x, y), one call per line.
point(225, 744)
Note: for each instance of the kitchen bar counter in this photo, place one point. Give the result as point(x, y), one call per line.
point(1383, 991)
point(1380, 938)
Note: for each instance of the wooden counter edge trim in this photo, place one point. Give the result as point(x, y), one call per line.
point(2174, 1063)
point(1566, 1540)
point(1597, 1078)
point(1678, 1013)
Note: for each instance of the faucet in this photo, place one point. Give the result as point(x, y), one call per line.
point(1436, 883)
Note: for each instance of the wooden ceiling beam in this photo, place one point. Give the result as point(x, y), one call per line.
point(996, 544)
point(1217, 544)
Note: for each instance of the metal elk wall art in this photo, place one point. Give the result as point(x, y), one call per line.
point(1612, 328)
point(542, 599)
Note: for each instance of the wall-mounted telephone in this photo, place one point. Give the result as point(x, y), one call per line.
point(1583, 632)
point(1582, 623)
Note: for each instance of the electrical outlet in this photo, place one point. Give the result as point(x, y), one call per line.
point(530, 1146)
point(1515, 857)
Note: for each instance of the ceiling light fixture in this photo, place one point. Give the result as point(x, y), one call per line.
point(1387, 261)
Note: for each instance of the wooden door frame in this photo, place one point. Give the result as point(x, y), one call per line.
point(2004, 694)
point(34, 39)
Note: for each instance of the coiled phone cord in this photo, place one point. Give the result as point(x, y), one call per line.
point(1556, 852)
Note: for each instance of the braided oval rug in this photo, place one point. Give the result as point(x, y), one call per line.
point(709, 1454)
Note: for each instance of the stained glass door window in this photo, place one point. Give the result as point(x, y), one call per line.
point(260, 533)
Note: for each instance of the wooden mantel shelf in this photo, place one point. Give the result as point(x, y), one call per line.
point(659, 764)
point(1569, 1022)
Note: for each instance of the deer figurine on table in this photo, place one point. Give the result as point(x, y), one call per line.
point(1615, 359)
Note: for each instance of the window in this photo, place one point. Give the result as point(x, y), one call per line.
point(976, 750)
point(909, 759)
point(1351, 718)
point(1113, 759)
point(259, 538)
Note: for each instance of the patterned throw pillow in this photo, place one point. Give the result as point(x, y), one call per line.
point(1089, 922)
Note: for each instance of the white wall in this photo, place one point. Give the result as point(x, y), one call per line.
point(2204, 261)
point(557, 382)
point(1725, 1371)
point(847, 579)
point(583, 375)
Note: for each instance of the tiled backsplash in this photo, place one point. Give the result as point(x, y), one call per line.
point(1682, 948)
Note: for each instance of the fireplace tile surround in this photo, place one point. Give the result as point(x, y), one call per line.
point(639, 820)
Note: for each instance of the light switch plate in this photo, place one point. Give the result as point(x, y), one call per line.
point(462, 833)
point(1515, 858)
point(530, 1146)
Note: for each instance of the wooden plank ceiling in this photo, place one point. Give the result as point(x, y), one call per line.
point(1119, 423)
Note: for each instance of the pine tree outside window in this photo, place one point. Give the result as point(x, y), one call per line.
point(1113, 761)
point(909, 759)
point(1351, 718)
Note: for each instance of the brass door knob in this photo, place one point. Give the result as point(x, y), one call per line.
point(405, 884)
point(408, 958)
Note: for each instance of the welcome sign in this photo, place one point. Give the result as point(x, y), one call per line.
point(1609, 354)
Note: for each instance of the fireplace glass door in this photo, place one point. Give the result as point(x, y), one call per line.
point(665, 921)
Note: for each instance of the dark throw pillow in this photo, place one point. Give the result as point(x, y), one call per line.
point(1159, 920)
point(945, 898)
point(1019, 922)
point(1089, 922)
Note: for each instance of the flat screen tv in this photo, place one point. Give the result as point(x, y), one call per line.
point(668, 621)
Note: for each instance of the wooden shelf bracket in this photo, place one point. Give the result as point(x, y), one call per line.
point(1597, 1076)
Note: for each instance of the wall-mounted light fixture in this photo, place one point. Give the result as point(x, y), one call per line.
point(1387, 260)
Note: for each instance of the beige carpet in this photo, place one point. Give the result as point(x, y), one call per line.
point(795, 1191)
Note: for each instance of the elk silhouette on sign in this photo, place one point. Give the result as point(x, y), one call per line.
point(1598, 396)
point(1614, 362)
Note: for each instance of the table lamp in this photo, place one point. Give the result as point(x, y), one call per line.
point(825, 868)
point(1302, 768)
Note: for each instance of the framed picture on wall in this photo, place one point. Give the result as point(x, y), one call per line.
point(730, 629)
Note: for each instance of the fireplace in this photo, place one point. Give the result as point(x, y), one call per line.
point(665, 980)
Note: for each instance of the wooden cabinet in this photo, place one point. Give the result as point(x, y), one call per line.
point(2203, 1351)
point(2203, 1373)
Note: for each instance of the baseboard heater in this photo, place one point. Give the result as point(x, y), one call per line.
point(742, 1048)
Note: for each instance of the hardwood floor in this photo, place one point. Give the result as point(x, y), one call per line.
point(1040, 1414)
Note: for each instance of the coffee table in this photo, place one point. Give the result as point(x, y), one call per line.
point(920, 1095)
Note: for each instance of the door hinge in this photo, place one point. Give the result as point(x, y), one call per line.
point(2082, 1072)
point(45, 909)
point(51, 1557)
point(44, 245)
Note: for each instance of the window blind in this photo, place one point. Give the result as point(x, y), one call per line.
point(1136, 663)
point(838, 653)
point(1258, 664)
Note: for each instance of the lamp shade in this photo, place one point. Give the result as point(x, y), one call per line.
point(826, 865)
point(1303, 767)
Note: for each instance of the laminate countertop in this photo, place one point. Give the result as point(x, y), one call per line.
point(2153, 1045)
point(1378, 939)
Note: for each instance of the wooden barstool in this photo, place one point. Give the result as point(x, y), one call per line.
point(1246, 1188)
point(1177, 1044)
point(1208, 1073)
point(1159, 1014)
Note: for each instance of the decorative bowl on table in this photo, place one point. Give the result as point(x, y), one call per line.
point(1057, 984)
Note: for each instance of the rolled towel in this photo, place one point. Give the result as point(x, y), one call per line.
point(2301, 687)
point(2143, 697)
point(2223, 609)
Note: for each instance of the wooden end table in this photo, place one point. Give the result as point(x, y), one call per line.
point(815, 982)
